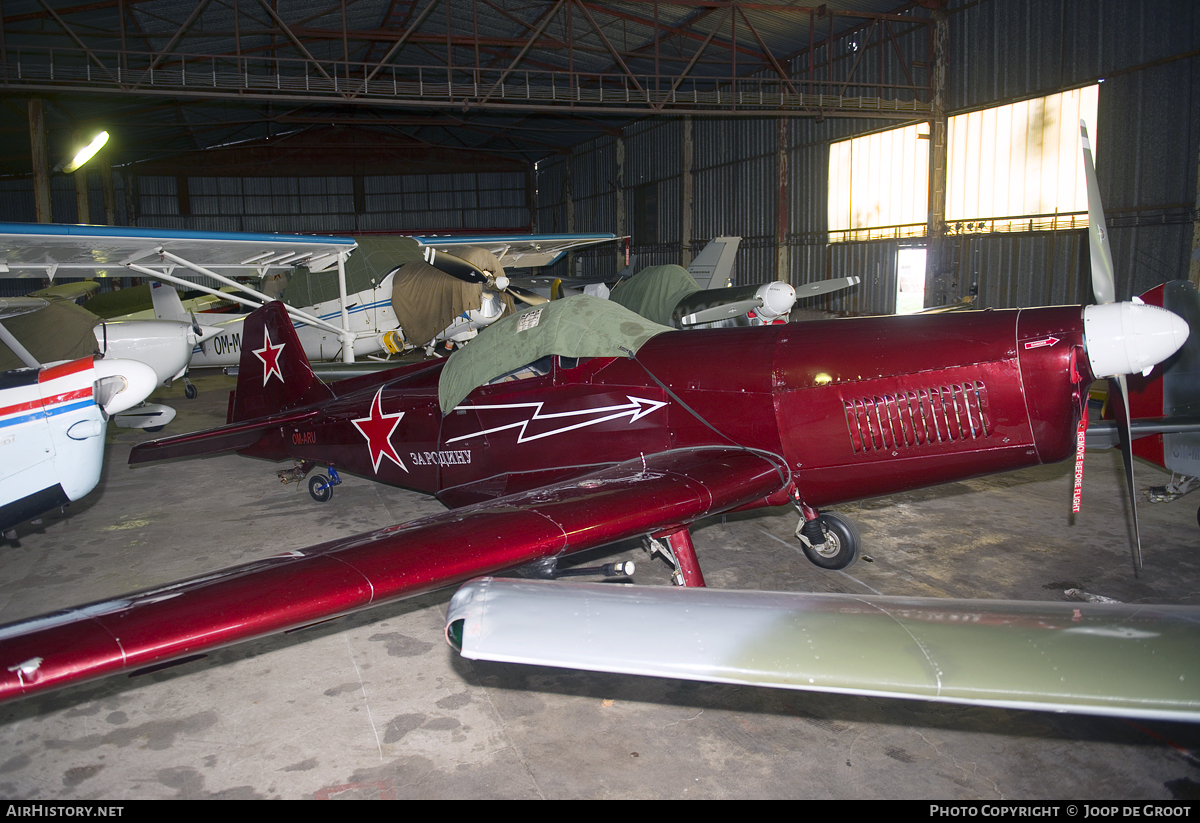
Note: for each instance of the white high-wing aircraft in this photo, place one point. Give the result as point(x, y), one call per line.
point(374, 295)
point(166, 343)
point(52, 421)
point(337, 323)
point(47, 250)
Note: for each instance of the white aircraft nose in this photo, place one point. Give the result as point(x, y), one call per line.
point(1124, 338)
point(122, 384)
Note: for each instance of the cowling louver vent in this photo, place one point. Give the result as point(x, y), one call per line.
point(940, 414)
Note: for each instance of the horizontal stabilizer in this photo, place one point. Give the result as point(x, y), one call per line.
point(1105, 434)
point(213, 441)
point(1106, 659)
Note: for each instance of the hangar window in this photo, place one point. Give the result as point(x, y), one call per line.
point(1009, 168)
point(1017, 167)
point(878, 185)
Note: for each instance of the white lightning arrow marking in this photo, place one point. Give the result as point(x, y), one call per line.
point(637, 408)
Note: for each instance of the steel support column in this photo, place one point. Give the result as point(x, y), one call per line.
point(782, 253)
point(935, 277)
point(687, 186)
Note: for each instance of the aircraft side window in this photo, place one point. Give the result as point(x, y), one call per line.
point(537, 368)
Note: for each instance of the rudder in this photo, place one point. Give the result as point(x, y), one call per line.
point(167, 303)
point(274, 374)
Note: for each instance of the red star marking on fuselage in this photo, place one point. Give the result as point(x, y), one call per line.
point(269, 355)
point(378, 428)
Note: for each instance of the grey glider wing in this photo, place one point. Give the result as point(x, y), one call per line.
point(1104, 659)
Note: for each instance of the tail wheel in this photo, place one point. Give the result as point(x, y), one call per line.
point(842, 543)
point(320, 488)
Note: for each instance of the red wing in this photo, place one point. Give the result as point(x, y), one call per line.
point(662, 491)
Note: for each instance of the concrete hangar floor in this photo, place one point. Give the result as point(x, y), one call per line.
point(376, 705)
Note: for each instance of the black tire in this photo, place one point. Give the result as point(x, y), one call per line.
point(190, 391)
point(319, 488)
point(154, 428)
point(842, 543)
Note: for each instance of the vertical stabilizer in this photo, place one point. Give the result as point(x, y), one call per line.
point(274, 374)
point(713, 266)
point(167, 303)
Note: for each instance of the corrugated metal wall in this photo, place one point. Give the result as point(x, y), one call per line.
point(315, 205)
point(1149, 133)
point(737, 191)
point(1000, 51)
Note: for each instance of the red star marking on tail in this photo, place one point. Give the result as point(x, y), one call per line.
point(269, 355)
point(378, 428)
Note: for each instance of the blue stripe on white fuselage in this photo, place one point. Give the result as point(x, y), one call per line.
point(44, 413)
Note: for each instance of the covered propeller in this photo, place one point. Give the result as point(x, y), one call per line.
point(467, 271)
point(1121, 338)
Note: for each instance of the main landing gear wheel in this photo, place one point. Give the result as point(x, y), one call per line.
point(842, 543)
point(190, 391)
point(320, 488)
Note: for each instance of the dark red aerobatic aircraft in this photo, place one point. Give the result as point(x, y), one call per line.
point(576, 424)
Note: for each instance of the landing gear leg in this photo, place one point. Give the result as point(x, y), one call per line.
point(678, 550)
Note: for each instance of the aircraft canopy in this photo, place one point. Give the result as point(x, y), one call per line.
point(575, 327)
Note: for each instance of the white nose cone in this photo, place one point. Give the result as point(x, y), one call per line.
point(1124, 338)
point(777, 299)
point(502, 282)
point(122, 384)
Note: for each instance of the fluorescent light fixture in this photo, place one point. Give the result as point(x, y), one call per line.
point(85, 154)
